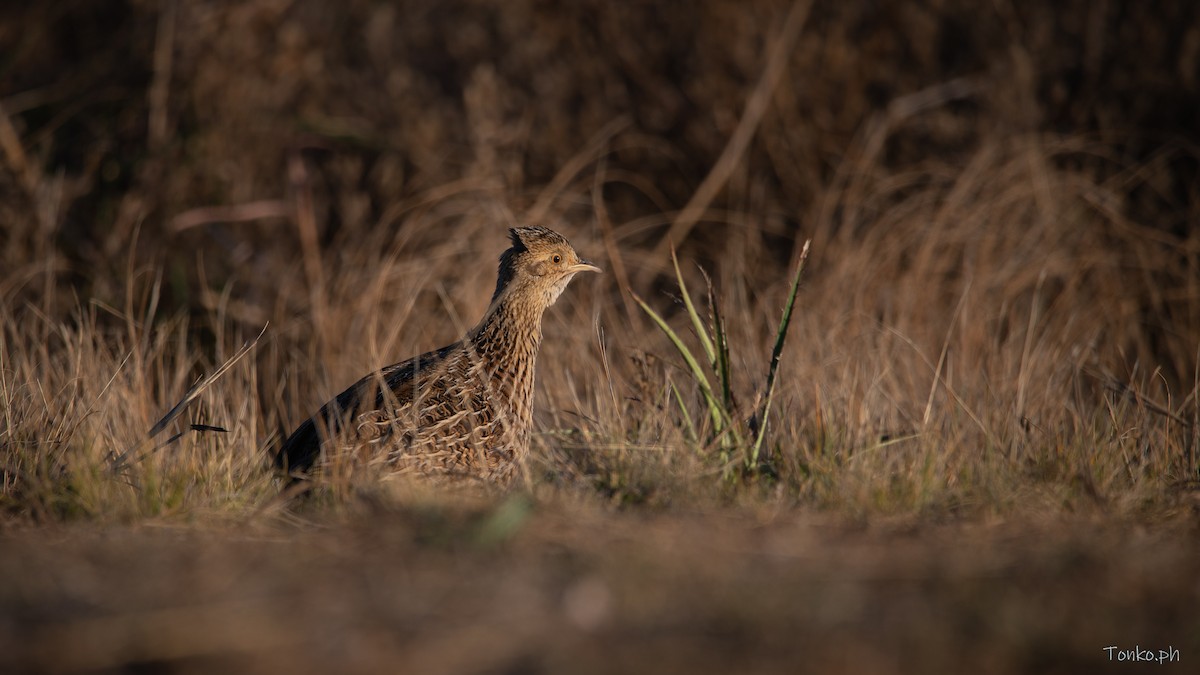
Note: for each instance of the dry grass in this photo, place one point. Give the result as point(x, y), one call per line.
point(1004, 346)
point(999, 322)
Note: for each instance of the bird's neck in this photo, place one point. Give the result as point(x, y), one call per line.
point(506, 343)
point(510, 332)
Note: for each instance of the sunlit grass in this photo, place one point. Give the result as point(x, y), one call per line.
point(730, 429)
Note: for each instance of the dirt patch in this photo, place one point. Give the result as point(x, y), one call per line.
point(428, 589)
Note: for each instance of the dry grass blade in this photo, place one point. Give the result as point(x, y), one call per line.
point(721, 347)
point(1116, 386)
point(10, 142)
point(591, 152)
point(937, 371)
point(206, 382)
point(160, 84)
point(147, 445)
point(752, 115)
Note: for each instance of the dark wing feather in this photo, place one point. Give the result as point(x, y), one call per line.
point(300, 452)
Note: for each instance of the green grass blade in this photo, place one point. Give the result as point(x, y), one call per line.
point(693, 437)
point(777, 353)
point(715, 410)
point(697, 320)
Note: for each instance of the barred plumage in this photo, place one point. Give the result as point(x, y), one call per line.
point(464, 410)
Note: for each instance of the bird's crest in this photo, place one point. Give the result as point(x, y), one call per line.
point(518, 245)
point(535, 237)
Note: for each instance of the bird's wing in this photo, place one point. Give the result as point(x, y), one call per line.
point(390, 389)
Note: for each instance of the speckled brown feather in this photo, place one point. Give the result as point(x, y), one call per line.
point(464, 410)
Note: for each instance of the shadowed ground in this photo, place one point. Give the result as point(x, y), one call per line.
point(515, 587)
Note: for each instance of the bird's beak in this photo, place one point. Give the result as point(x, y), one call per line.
point(584, 266)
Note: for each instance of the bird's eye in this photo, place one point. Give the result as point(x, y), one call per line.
point(557, 259)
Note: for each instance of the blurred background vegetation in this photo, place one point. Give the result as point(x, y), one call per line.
point(122, 118)
point(1002, 198)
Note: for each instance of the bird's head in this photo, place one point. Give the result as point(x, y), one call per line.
point(539, 265)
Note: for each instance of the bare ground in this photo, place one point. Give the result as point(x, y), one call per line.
point(518, 586)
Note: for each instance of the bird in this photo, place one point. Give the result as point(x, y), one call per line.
point(461, 412)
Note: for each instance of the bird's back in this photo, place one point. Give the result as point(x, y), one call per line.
point(440, 413)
